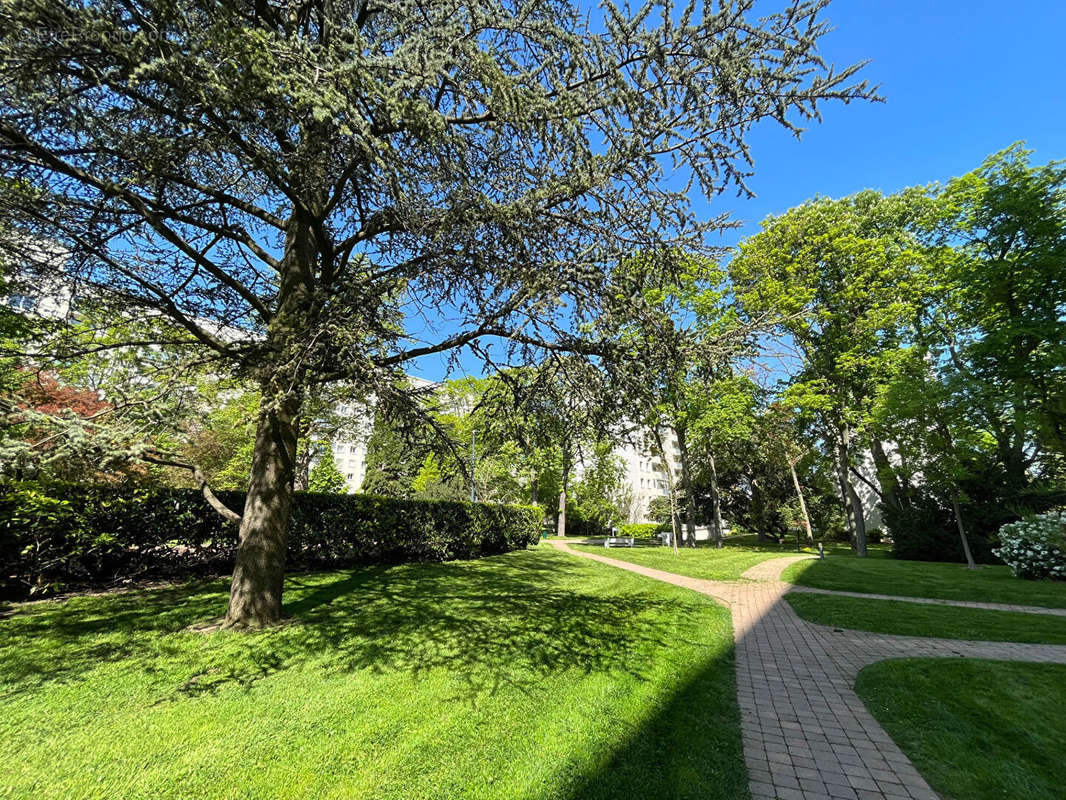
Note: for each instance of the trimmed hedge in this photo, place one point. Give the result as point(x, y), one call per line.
point(58, 538)
point(642, 530)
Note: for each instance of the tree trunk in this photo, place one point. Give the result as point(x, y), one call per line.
point(843, 494)
point(560, 519)
point(303, 457)
point(560, 529)
point(853, 509)
point(686, 484)
point(949, 446)
point(891, 491)
point(962, 532)
point(716, 503)
point(802, 502)
point(259, 572)
point(534, 496)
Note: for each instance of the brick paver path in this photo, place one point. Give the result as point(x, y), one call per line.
point(806, 733)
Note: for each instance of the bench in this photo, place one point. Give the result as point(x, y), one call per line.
point(618, 541)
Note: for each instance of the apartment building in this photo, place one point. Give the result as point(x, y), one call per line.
point(644, 471)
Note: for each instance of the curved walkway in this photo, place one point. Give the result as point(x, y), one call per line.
point(806, 733)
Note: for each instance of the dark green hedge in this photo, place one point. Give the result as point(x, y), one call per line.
point(57, 538)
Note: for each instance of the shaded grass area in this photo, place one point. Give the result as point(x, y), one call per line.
point(989, 584)
point(530, 675)
point(914, 619)
point(708, 563)
point(975, 729)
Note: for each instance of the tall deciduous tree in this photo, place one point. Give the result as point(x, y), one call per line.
point(1004, 302)
point(293, 183)
point(976, 403)
point(841, 275)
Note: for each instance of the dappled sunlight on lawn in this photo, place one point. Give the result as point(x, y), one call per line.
point(528, 675)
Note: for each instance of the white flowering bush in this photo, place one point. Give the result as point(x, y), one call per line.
point(1035, 547)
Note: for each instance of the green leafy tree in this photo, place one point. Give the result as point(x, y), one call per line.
point(222, 440)
point(600, 496)
point(1004, 308)
point(975, 402)
point(325, 477)
point(843, 276)
point(291, 185)
point(395, 455)
point(683, 343)
point(722, 408)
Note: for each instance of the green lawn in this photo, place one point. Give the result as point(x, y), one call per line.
point(976, 730)
point(990, 584)
point(531, 675)
point(708, 563)
point(751, 540)
point(914, 619)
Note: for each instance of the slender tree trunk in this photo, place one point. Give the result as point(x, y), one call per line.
point(949, 446)
point(802, 502)
point(891, 491)
point(303, 457)
point(534, 495)
point(686, 484)
point(560, 529)
point(843, 494)
point(852, 503)
point(962, 532)
point(259, 572)
point(716, 503)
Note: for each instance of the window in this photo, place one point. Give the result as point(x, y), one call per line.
point(22, 302)
point(351, 475)
point(353, 449)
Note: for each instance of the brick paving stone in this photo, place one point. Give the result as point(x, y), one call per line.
point(805, 732)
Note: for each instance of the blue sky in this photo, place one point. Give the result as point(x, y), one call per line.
point(961, 79)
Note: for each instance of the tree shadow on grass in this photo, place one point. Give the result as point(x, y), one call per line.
point(689, 748)
point(513, 622)
point(509, 620)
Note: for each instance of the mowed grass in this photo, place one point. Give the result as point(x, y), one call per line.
point(707, 563)
point(976, 730)
point(990, 584)
point(915, 619)
point(792, 545)
point(530, 675)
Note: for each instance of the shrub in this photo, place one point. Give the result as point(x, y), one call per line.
point(56, 538)
point(642, 530)
point(1035, 547)
point(577, 524)
point(925, 531)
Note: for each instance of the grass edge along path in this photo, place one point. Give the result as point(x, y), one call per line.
point(975, 729)
point(704, 563)
point(898, 617)
point(532, 675)
point(944, 581)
